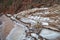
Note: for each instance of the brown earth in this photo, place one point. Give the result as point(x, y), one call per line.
point(15, 6)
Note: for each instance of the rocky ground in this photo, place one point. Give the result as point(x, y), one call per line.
point(32, 24)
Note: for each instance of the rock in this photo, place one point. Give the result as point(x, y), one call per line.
point(49, 34)
point(7, 25)
point(17, 33)
point(34, 35)
point(29, 38)
point(27, 20)
point(9, 15)
point(45, 23)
